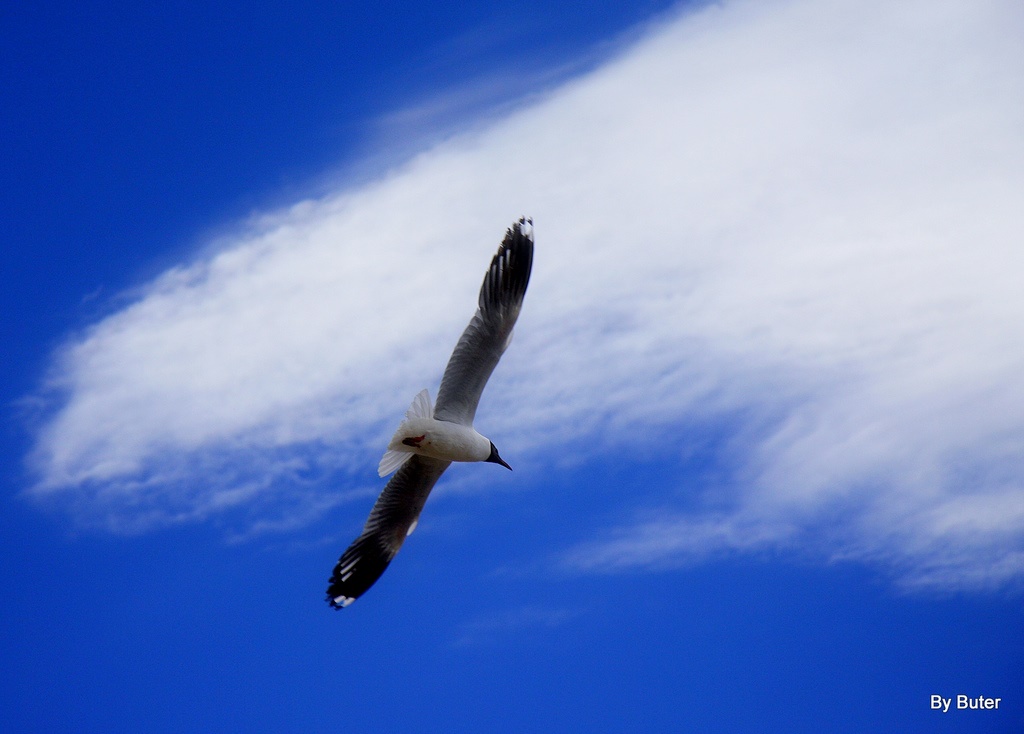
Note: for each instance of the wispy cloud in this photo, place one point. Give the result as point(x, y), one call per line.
point(804, 216)
point(485, 629)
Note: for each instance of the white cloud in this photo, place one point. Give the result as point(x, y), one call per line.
point(805, 214)
point(486, 628)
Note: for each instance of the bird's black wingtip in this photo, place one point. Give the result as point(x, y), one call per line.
point(509, 274)
point(522, 228)
point(339, 602)
point(356, 571)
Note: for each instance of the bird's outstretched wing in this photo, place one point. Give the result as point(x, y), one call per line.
point(391, 520)
point(490, 330)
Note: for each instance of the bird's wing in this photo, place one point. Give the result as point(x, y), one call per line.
point(391, 520)
point(490, 329)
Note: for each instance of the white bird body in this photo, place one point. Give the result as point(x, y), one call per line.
point(440, 440)
point(421, 433)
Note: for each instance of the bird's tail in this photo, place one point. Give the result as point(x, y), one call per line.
point(394, 458)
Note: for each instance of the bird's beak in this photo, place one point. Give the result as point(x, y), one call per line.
point(495, 459)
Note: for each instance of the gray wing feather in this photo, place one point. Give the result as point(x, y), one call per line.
point(489, 331)
point(395, 511)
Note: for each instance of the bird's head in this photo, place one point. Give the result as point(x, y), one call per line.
point(495, 459)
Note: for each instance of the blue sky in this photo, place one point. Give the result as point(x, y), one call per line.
point(764, 401)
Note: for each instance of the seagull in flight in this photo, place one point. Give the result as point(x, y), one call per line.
point(432, 437)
